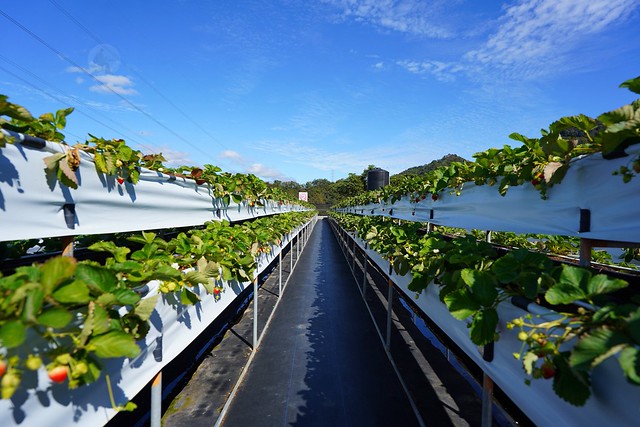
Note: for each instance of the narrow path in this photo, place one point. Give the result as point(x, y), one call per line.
point(320, 362)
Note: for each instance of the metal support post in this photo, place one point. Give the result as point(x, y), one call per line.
point(280, 272)
point(387, 343)
point(364, 277)
point(353, 263)
point(290, 254)
point(487, 400)
point(585, 252)
point(156, 400)
point(255, 313)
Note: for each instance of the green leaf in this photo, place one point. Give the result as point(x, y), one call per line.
point(125, 152)
point(74, 293)
point(55, 271)
point(632, 84)
point(570, 384)
point(100, 321)
point(570, 287)
point(101, 165)
point(507, 268)
point(483, 326)
point(97, 276)
point(126, 296)
point(166, 273)
point(61, 117)
point(595, 347)
point(47, 117)
point(145, 307)
point(114, 344)
point(188, 298)
point(119, 253)
point(630, 363)
point(33, 304)
point(55, 317)
point(482, 284)
point(12, 334)
point(602, 284)
point(461, 304)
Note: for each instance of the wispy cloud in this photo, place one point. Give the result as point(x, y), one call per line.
point(396, 157)
point(442, 71)
point(535, 35)
point(414, 17)
point(316, 117)
point(532, 39)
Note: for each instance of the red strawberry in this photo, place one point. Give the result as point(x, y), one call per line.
point(548, 370)
point(434, 197)
point(120, 180)
point(58, 374)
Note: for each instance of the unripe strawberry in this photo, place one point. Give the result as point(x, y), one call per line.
point(10, 383)
point(33, 362)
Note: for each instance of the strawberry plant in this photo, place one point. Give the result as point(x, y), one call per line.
point(83, 312)
point(474, 278)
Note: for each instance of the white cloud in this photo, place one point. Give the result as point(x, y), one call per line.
point(258, 169)
point(230, 154)
point(111, 83)
point(266, 172)
point(378, 65)
point(414, 17)
point(535, 36)
point(174, 158)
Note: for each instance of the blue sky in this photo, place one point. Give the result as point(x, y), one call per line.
point(306, 89)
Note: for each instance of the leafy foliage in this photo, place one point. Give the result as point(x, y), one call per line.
point(474, 278)
point(83, 312)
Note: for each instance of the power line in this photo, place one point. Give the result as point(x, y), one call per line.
point(138, 75)
point(85, 71)
point(78, 101)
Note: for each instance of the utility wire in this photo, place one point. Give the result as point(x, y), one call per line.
point(73, 98)
point(138, 75)
point(85, 71)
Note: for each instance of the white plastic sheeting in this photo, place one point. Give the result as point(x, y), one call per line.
point(614, 401)
point(589, 184)
point(172, 324)
point(31, 206)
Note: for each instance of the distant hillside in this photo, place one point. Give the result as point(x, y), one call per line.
point(445, 161)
